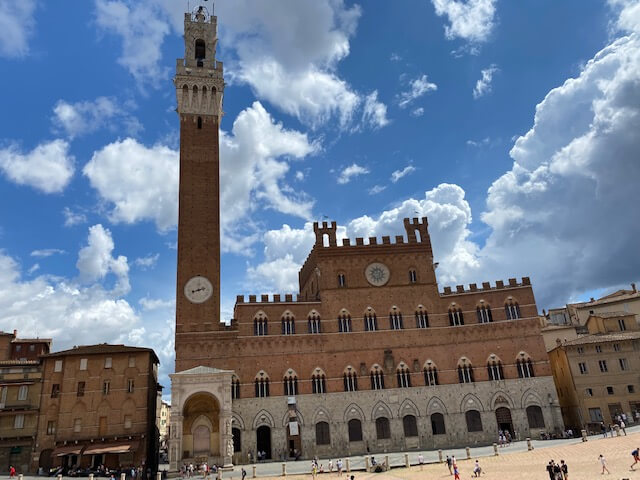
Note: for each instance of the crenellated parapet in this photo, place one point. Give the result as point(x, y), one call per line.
point(268, 298)
point(486, 286)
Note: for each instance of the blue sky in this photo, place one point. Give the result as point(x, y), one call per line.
point(511, 125)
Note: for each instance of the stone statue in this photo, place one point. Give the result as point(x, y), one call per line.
point(230, 447)
point(228, 427)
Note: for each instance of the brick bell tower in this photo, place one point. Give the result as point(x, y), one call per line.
point(199, 88)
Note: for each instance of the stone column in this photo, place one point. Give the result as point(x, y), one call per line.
point(226, 440)
point(175, 441)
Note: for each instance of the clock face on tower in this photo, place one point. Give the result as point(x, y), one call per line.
point(377, 274)
point(198, 289)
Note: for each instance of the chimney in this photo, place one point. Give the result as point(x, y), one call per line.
point(592, 299)
point(633, 287)
point(15, 333)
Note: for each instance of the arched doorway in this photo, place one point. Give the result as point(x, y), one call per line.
point(201, 427)
point(503, 418)
point(45, 460)
point(263, 441)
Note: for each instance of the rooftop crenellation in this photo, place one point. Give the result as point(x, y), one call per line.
point(486, 286)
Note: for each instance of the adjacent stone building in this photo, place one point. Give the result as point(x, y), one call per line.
point(596, 374)
point(20, 386)
point(98, 407)
point(370, 356)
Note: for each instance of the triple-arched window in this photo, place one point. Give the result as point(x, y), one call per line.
point(350, 380)
point(484, 314)
point(290, 382)
point(370, 321)
point(404, 376)
point(494, 368)
point(422, 319)
point(524, 366)
point(318, 382)
point(314, 323)
point(262, 385)
point(395, 319)
point(456, 318)
point(465, 371)
point(344, 322)
point(260, 325)
point(377, 378)
point(430, 375)
point(512, 309)
point(288, 324)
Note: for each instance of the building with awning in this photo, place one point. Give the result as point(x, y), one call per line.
point(98, 408)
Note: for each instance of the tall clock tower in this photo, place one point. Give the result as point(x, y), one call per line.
point(199, 88)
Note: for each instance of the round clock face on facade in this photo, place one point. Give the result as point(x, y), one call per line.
point(377, 274)
point(198, 289)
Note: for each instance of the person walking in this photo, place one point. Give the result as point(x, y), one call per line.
point(550, 469)
point(12, 471)
point(603, 462)
point(244, 473)
point(636, 457)
point(557, 472)
point(449, 464)
point(603, 429)
point(623, 427)
point(456, 472)
point(564, 470)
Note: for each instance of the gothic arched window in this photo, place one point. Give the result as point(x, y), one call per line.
point(494, 368)
point(314, 322)
point(290, 384)
point(512, 309)
point(404, 376)
point(484, 314)
point(456, 317)
point(395, 319)
point(344, 322)
point(377, 378)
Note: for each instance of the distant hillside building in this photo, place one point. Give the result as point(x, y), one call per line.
point(98, 407)
point(369, 357)
point(20, 387)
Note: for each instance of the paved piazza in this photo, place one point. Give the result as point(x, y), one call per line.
point(513, 462)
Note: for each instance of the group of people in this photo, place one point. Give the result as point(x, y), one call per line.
point(191, 470)
point(454, 470)
point(558, 471)
point(504, 438)
point(317, 467)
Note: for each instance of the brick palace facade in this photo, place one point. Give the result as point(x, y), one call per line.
point(370, 357)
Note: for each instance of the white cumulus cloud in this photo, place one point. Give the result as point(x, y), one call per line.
point(348, 173)
point(483, 85)
point(470, 20)
point(95, 260)
point(142, 31)
point(48, 167)
point(254, 160)
point(80, 118)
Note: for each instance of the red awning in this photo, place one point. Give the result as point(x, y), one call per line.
point(123, 447)
point(67, 450)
